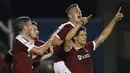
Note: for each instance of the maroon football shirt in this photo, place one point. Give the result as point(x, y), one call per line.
point(22, 59)
point(36, 66)
point(80, 61)
point(61, 32)
point(22, 63)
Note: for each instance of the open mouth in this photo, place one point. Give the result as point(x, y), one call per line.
point(79, 16)
point(84, 40)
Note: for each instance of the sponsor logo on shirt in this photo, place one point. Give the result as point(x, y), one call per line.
point(81, 57)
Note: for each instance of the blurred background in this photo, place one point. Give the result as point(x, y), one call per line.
point(113, 56)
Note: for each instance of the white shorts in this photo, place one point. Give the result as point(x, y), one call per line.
point(60, 67)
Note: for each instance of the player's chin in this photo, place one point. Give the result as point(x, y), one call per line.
point(83, 42)
point(36, 38)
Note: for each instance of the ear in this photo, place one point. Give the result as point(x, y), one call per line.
point(25, 28)
point(70, 17)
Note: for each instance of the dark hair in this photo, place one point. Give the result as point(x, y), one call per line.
point(21, 22)
point(34, 23)
point(80, 29)
point(71, 6)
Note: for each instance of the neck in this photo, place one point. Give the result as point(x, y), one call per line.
point(78, 45)
point(27, 37)
point(31, 40)
point(73, 22)
point(24, 34)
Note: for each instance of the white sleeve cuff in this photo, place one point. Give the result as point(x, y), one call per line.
point(94, 45)
point(57, 36)
point(30, 47)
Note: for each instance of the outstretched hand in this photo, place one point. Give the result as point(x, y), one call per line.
point(84, 20)
point(118, 15)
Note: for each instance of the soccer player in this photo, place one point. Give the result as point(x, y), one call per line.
point(78, 58)
point(34, 39)
point(36, 61)
point(74, 18)
point(23, 48)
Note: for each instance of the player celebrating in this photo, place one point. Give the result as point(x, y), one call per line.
point(23, 48)
point(78, 58)
point(75, 18)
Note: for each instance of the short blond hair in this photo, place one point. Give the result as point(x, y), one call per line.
point(71, 6)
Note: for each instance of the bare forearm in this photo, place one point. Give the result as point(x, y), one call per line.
point(110, 26)
point(72, 32)
point(46, 56)
point(69, 37)
point(49, 54)
point(45, 47)
point(106, 32)
point(40, 58)
point(56, 41)
point(40, 50)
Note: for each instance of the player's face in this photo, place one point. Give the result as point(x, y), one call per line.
point(81, 37)
point(34, 32)
point(76, 14)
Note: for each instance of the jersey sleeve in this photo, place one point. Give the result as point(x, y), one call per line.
point(63, 30)
point(24, 41)
point(91, 46)
point(39, 43)
point(36, 44)
point(29, 46)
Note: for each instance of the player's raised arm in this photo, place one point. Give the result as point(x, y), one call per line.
point(43, 57)
point(48, 55)
point(40, 50)
point(106, 32)
point(73, 31)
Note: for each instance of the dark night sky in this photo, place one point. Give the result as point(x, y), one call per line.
point(43, 8)
point(50, 8)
